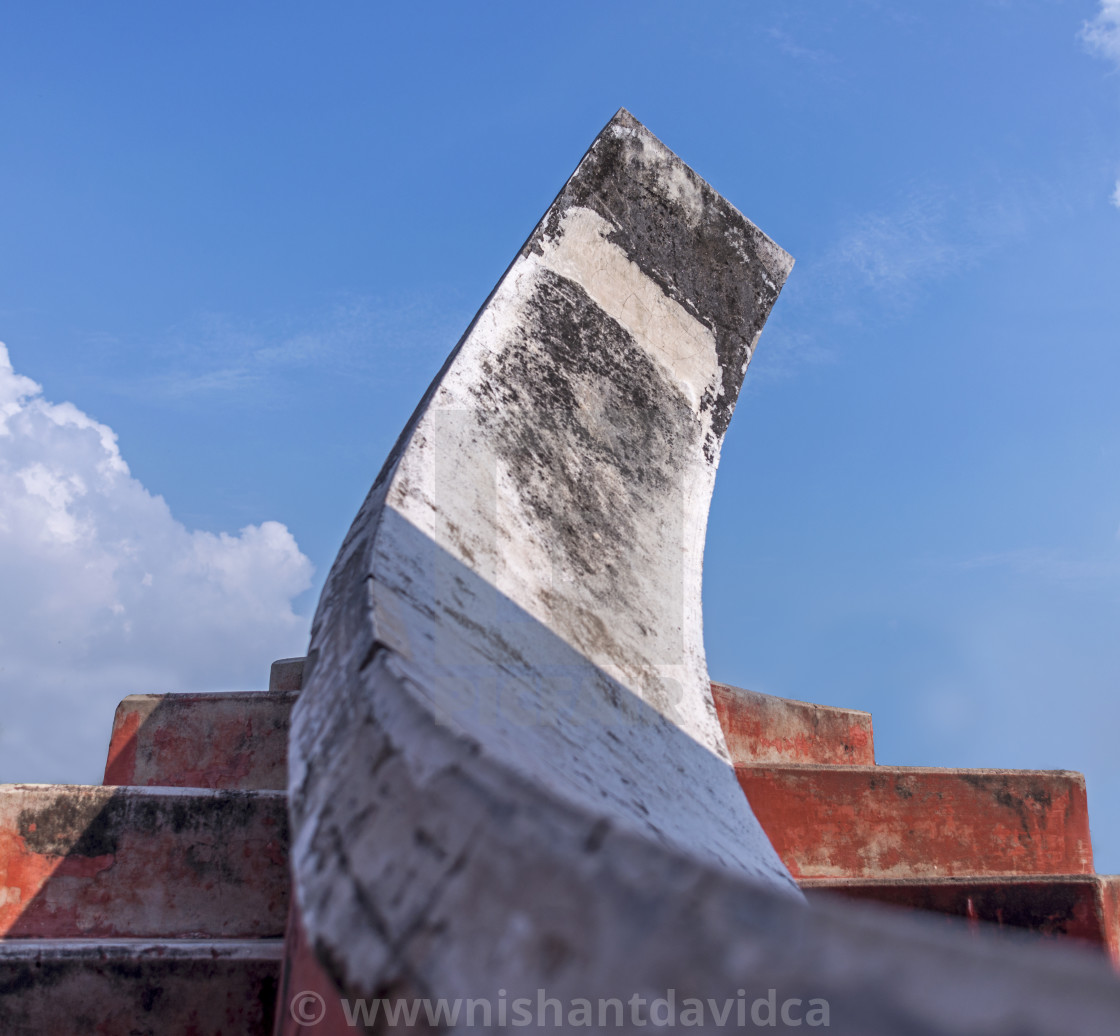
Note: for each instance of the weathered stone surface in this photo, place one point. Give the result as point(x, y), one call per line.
point(761, 728)
point(236, 740)
point(909, 821)
point(506, 770)
point(130, 987)
point(527, 566)
point(128, 862)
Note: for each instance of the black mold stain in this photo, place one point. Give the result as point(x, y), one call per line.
point(587, 424)
point(695, 256)
point(69, 824)
point(91, 826)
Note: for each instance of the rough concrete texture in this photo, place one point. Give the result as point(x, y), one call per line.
point(910, 821)
point(506, 769)
point(127, 862)
point(123, 987)
point(530, 556)
point(761, 728)
point(229, 740)
point(1067, 905)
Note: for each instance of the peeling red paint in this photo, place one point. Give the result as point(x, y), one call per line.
point(840, 821)
point(198, 865)
point(761, 728)
point(1110, 909)
point(230, 740)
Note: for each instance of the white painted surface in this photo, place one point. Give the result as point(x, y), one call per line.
point(638, 634)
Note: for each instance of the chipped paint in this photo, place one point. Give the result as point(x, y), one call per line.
point(108, 862)
point(909, 821)
point(235, 740)
point(761, 728)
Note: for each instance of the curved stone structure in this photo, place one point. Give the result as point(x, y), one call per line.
point(525, 575)
point(507, 779)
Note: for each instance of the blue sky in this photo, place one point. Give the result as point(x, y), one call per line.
point(242, 237)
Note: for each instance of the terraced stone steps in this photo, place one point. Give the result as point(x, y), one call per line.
point(155, 904)
point(837, 819)
point(104, 862)
point(139, 987)
point(239, 740)
point(997, 847)
point(160, 908)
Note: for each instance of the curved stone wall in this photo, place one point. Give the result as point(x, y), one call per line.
point(525, 575)
point(507, 778)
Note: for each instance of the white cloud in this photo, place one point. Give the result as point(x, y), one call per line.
point(1050, 565)
point(104, 593)
point(356, 337)
point(928, 234)
point(789, 46)
point(891, 251)
point(1102, 35)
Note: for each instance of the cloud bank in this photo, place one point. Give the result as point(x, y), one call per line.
point(104, 593)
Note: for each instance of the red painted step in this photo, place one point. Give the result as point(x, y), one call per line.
point(761, 728)
point(899, 821)
point(99, 862)
point(121, 986)
point(228, 740)
point(239, 740)
point(1085, 907)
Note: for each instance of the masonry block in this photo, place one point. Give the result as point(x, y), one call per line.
point(229, 740)
point(101, 862)
point(762, 728)
point(902, 821)
point(287, 674)
point(127, 987)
